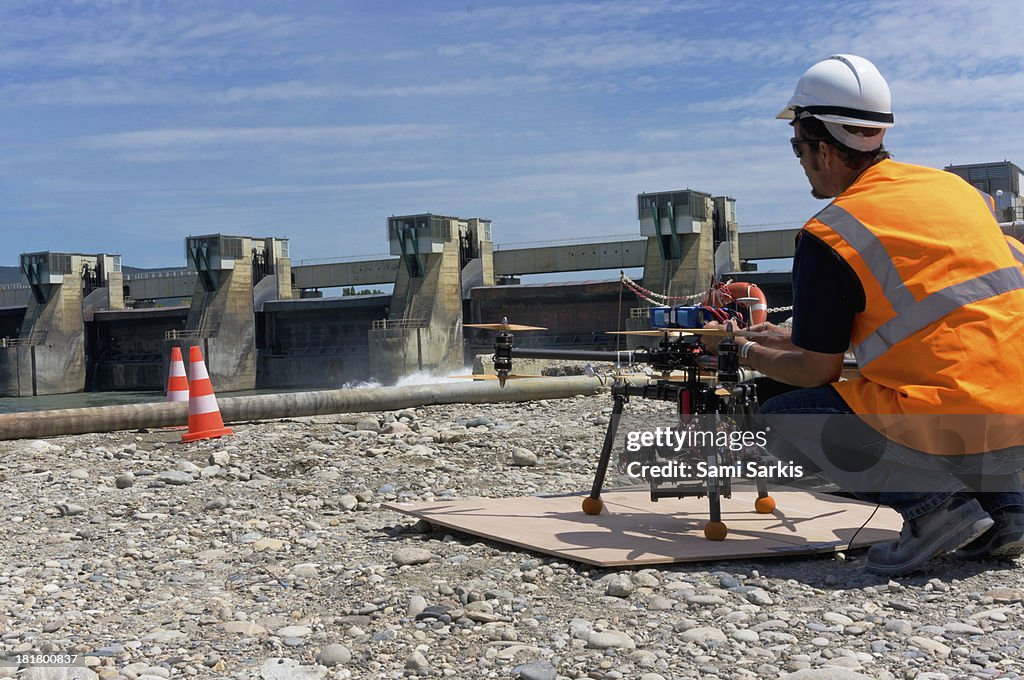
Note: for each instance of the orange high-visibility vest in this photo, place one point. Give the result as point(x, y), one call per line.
point(942, 331)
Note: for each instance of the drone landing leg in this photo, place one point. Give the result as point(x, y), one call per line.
point(715, 530)
point(593, 504)
point(764, 504)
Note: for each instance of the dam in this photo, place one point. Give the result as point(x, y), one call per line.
point(81, 322)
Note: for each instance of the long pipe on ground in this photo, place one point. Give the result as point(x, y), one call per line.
point(289, 405)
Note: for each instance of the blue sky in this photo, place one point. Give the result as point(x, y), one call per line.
point(126, 126)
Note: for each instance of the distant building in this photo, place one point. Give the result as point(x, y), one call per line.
point(1002, 181)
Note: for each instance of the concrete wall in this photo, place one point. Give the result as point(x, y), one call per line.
point(283, 271)
point(693, 270)
point(689, 274)
point(230, 353)
point(435, 299)
point(15, 371)
point(59, 361)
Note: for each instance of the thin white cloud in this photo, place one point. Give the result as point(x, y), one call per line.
point(123, 91)
point(334, 134)
point(127, 37)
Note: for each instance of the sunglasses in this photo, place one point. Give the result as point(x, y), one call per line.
point(795, 143)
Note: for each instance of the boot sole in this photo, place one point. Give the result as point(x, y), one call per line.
point(964, 533)
point(1008, 550)
point(1012, 545)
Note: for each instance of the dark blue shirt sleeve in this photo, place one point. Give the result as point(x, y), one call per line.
point(826, 296)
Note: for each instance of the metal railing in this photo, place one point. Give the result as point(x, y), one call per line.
point(333, 350)
point(640, 313)
point(382, 324)
point(590, 240)
point(346, 259)
point(204, 331)
point(167, 273)
point(30, 340)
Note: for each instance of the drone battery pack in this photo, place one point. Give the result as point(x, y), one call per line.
point(688, 317)
point(682, 317)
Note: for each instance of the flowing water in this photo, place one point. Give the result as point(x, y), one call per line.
point(89, 399)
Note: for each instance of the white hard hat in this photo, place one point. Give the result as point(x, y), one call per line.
point(843, 89)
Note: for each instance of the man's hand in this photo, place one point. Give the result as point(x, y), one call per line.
point(711, 342)
point(781, 339)
point(766, 327)
point(779, 358)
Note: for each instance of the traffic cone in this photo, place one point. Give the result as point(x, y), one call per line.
point(204, 421)
point(177, 382)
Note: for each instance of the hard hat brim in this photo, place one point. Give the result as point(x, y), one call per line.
point(845, 120)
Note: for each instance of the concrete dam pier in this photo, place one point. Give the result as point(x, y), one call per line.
point(78, 322)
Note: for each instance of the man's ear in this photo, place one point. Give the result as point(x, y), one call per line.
point(829, 155)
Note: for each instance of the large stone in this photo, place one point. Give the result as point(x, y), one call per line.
point(417, 603)
point(272, 544)
point(619, 585)
point(164, 636)
point(334, 655)
point(535, 670)
point(705, 635)
point(409, 556)
point(307, 570)
point(934, 646)
point(759, 597)
point(294, 631)
point(187, 466)
point(416, 661)
point(610, 639)
point(524, 457)
point(826, 674)
point(368, 425)
point(175, 478)
point(244, 628)
point(221, 458)
point(70, 509)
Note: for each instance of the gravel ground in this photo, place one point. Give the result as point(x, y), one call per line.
point(267, 554)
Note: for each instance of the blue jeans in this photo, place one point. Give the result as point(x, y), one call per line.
point(818, 428)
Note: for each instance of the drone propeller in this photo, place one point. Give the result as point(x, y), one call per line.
point(505, 326)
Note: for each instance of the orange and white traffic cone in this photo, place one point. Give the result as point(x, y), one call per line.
point(204, 421)
point(177, 382)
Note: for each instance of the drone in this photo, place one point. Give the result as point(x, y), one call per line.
point(705, 389)
point(503, 348)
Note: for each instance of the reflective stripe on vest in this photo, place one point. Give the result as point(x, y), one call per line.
point(911, 315)
point(1016, 253)
point(990, 202)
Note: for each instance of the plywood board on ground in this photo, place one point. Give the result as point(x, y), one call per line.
point(633, 530)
